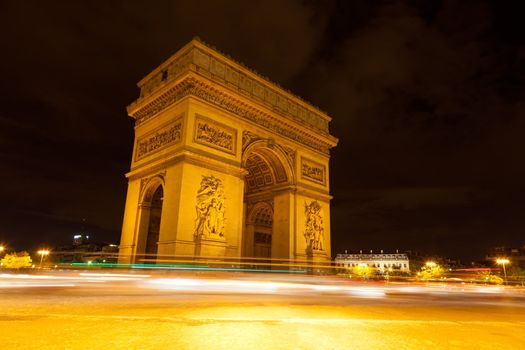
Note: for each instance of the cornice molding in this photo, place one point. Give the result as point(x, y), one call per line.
point(191, 86)
point(188, 157)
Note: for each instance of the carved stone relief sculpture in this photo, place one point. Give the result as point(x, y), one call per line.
point(214, 135)
point(247, 138)
point(161, 138)
point(192, 87)
point(210, 209)
point(312, 171)
point(314, 226)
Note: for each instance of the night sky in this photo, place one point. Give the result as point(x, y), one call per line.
point(427, 100)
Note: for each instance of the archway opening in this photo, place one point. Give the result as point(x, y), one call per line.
point(153, 227)
point(266, 172)
point(262, 221)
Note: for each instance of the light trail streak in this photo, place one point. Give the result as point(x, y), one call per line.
point(27, 280)
point(26, 276)
point(190, 268)
point(259, 287)
point(251, 284)
point(34, 285)
point(113, 275)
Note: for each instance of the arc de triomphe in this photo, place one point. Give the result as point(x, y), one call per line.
point(225, 164)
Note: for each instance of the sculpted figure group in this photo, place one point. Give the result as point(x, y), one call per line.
point(214, 136)
point(314, 226)
point(160, 139)
point(210, 209)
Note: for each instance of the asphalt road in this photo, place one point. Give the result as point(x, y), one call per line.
point(138, 310)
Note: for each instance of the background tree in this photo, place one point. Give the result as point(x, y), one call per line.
point(363, 271)
point(431, 270)
point(489, 277)
point(16, 260)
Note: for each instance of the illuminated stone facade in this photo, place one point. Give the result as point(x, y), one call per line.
point(225, 164)
point(381, 262)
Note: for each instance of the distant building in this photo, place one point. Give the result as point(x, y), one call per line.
point(515, 255)
point(382, 262)
point(80, 238)
point(82, 250)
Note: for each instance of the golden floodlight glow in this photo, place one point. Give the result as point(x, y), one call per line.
point(430, 264)
point(2, 248)
point(503, 262)
point(42, 253)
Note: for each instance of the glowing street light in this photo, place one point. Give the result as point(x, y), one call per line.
point(42, 253)
point(430, 264)
point(2, 248)
point(503, 262)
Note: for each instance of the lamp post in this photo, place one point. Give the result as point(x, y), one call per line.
point(42, 253)
point(503, 262)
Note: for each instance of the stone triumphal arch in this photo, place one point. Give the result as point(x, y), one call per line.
point(225, 164)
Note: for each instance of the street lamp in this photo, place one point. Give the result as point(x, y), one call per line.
point(503, 262)
point(42, 253)
point(430, 264)
point(2, 248)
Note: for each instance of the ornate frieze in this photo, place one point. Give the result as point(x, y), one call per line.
point(262, 92)
point(193, 87)
point(209, 222)
point(314, 226)
point(213, 134)
point(158, 139)
point(230, 104)
point(313, 171)
point(168, 98)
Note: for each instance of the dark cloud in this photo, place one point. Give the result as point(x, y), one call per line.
point(427, 100)
point(428, 127)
